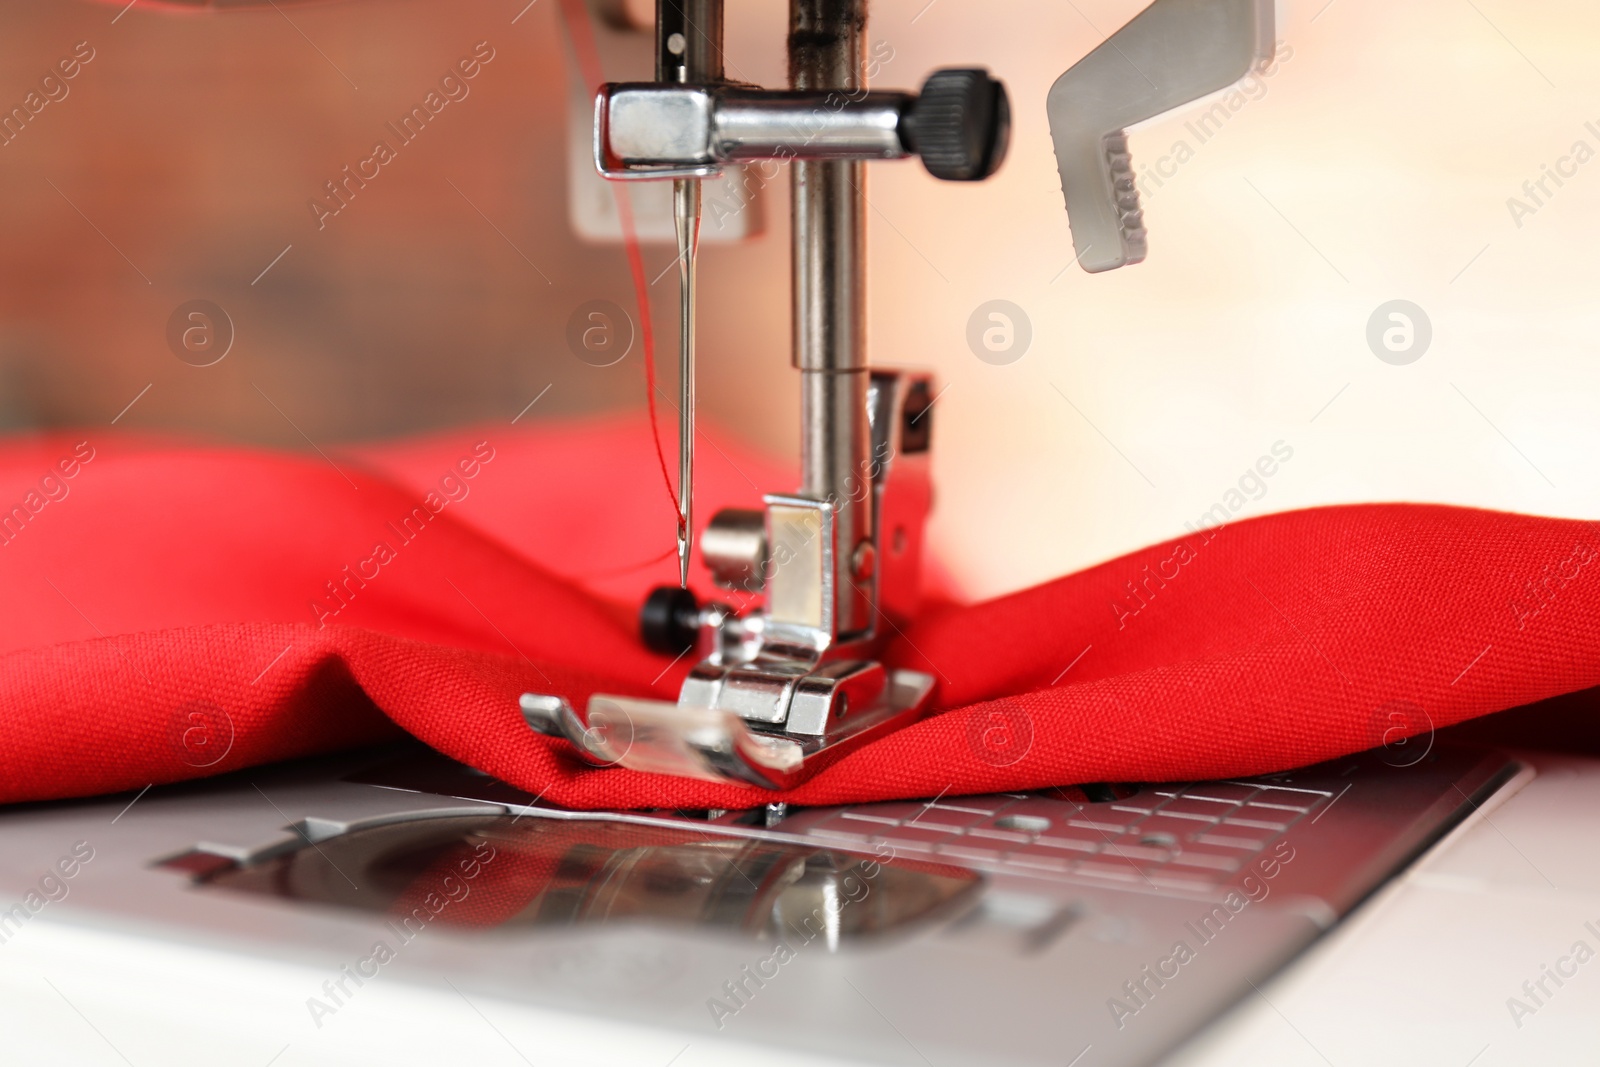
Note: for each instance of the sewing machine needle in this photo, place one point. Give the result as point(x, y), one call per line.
point(686, 215)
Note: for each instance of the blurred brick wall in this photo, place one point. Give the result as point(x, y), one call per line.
point(191, 144)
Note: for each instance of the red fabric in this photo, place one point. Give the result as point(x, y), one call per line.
point(159, 624)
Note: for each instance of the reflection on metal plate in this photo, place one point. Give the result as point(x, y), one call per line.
point(503, 872)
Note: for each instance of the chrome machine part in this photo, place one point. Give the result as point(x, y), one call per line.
point(686, 218)
point(782, 691)
point(991, 929)
point(1172, 53)
point(774, 698)
point(734, 547)
point(688, 51)
point(651, 131)
point(826, 43)
point(605, 873)
point(693, 739)
point(959, 124)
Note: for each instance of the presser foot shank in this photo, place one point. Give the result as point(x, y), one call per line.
point(779, 693)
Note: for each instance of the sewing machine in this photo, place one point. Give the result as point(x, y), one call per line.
point(315, 912)
point(783, 690)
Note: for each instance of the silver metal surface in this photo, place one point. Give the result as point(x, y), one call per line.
point(734, 548)
point(778, 693)
point(1173, 52)
point(634, 921)
point(686, 215)
point(837, 469)
point(805, 539)
point(900, 414)
point(725, 726)
point(734, 209)
point(657, 126)
point(811, 125)
point(553, 716)
point(688, 51)
point(612, 872)
point(651, 131)
point(826, 40)
point(631, 158)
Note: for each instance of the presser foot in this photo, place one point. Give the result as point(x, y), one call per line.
point(715, 744)
point(781, 692)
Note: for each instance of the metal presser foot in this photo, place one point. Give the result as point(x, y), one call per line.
point(784, 690)
point(778, 693)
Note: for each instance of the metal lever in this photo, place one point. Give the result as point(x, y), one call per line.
point(1172, 53)
point(959, 125)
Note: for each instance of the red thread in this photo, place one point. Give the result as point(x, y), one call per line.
point(576, 17)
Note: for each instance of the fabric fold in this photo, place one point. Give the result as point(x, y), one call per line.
point(176, 611)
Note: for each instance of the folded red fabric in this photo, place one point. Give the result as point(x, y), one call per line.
point(175, 611)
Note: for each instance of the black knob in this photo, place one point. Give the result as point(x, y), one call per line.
point(916, 421)
point(960, 124)
point(669, 622)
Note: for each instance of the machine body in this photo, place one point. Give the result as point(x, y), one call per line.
point(781, 691)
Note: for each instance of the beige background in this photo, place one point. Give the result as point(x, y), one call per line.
point(1375, 165)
